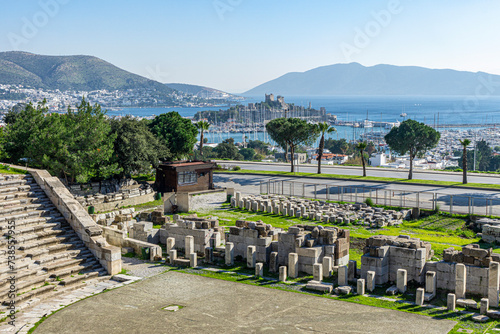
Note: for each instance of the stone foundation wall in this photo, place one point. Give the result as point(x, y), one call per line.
point(258, 234)
point(386, 254)
point(206, 232)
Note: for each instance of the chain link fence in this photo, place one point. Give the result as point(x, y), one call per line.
point(455, 204)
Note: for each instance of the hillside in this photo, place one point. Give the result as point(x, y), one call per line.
point(356, 79)
point(85, 73)
point(201, 91)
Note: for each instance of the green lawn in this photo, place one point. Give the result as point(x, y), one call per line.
point(5, 169)
point(371, 178)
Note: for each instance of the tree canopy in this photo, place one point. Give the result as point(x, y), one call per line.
point(412, 137)
point(291, 132)
point(177, 133)
point(136, 149)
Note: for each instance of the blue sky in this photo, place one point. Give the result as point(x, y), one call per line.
point(235, 45)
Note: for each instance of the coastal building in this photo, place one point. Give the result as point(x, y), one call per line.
point(300, 157)
point(331, 158)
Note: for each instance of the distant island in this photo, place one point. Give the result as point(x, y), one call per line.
point(63, 79)
point(356, 79)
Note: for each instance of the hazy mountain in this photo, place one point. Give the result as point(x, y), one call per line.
point(201, 91)
point(356, 79)
point(85, 73)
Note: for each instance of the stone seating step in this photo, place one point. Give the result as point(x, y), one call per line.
point(25, 285)
point(27, 214)
point(33, 221)
point(21, 240)
point(79, 278)
point(7, 211)
point(37, 228)
point(63, 264)
point(47, 242)
point(75, 269)
point(33, 293)
point(61, 255)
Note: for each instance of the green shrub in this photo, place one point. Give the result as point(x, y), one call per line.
point(236, 168)
point(369, 202)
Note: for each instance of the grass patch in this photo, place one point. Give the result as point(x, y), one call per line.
point(147, 205)
point(144, 177)
point(369, 178)
point(6, 169)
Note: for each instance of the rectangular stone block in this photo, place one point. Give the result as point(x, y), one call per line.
point(273, 262)
point(419, 300)
point(229, 254)
point(282, 274)
point(172, 255)
point(318, 272)
point(451, 301)
point(460, 280)
point(360, 286)
point(402, 280)
point(352, 268)
point(370, 281)
point(259, 269)
point(251, 257)
point(343, 276)
point(293, 265)
point(193, 260)
point(493, 284)
point(430, 282)
point(188, 245)
point(170, 244)
point(484, 306)
point(327, 266)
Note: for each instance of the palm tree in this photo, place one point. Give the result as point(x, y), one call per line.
point(323, 128)
point(464, 143)
point(361, 147)
point(202, 126)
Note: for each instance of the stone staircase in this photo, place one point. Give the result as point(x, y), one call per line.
point(50, 259)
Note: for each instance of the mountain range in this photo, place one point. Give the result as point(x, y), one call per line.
point(356, 79)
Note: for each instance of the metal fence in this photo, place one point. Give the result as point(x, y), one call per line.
point(457, 204)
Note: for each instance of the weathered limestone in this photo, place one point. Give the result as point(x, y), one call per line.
point(430, 285)
point(327, 266)
point(318, 272)
point(451, 301)
point(172, 255)
point(352, 267)
point(273, 262)
point(419, 299)
point(189, 245)
point(360, 286)
point(193, 260)
point(386, 254)
point(259, 269)
point(493, 284)
point(293, 265)
point(251, 257)
point(229, 254)
point(370, 281)
point(460, 280)
point(484, 306)
point(402, 280)
point(342, 276)
point(209, 255)
point(170, 244)
point(282, 274)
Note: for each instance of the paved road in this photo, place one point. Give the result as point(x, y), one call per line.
point(482, 201)
point(380, 172)
point(216, 306)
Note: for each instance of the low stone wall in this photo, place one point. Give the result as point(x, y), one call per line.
point(84, 226)
point(114, 205)
point(119, 238)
